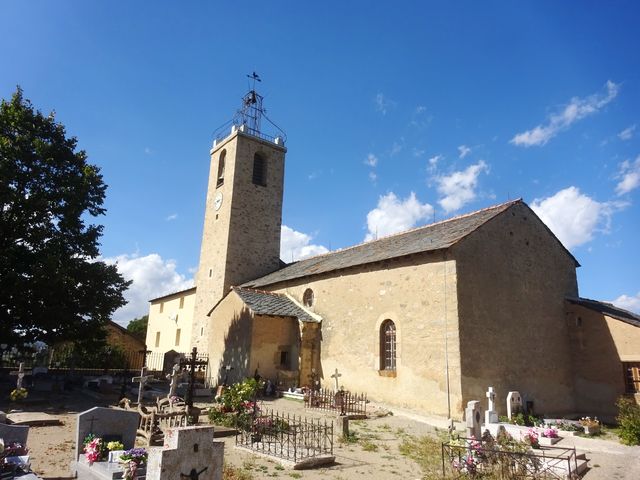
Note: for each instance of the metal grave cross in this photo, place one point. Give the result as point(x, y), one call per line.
point(336, 375)
point(20, 374)
point(142, 380)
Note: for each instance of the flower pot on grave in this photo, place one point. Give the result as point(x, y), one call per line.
point(591, 430)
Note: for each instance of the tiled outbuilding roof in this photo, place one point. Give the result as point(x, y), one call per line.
point(437, 236)
point(607, 309)
point(273, 304)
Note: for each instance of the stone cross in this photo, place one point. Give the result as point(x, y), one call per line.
point(491, 416)
point(142, 380)
point(335, 376)
point(174, 376)
point(514, 403)
point(188, 453)
point(20, 374)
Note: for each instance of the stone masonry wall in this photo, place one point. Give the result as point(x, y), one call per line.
point(513, 276)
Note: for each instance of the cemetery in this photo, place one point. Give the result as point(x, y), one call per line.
point(153, 432)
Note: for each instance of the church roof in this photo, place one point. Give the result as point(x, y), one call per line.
point(607, 309)
point(437, 236)
point(273, 304)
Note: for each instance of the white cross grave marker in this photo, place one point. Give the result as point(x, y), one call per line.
point(174, 376)
point(336, 375)
point(142, 380)
point(490, 415)
point(20, 374)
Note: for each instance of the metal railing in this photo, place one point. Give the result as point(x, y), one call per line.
point(290, 437)
point(470, 457)
point(342, 401)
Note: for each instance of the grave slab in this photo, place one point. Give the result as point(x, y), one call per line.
point(32, 419)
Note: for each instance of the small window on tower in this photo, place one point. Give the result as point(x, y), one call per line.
point(178, 337)
point(181, 302)
point(307, 298)
point(259, 170)
point(220, 179)
point(157, 339)
point(161, 307)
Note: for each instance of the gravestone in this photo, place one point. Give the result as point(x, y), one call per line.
point(188, 453)
point(175, 375)
point(473, 419)
point(336, 375)
point(14, 433)
point(514, 403)
point(491, 416)
point(169, 360)
point(104, 422)
point(20, 374)
point(141, 380)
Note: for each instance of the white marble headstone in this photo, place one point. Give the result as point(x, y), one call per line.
point(514, 403)
point(187, 452)
point(473, 419)
point(490, 415)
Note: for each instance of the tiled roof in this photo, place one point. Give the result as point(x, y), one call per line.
point(274, 304)
point(432, 237)
point(607, 309)
point(173, 293)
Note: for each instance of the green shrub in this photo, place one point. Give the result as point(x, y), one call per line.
point(628, 421)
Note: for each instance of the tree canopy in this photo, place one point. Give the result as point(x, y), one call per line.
point(138, 327)
point(52, 285)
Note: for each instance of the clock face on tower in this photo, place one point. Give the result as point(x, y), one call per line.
point(217, 201)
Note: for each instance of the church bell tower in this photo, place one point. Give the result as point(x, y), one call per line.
point(243, 214)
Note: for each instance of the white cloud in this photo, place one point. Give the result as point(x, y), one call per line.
point(577, 109)
point(433, 163)
point(373, 177)
point(626, 302)
point(629, 176)
point(171, 217)
point(152, 277)
point(464, 151)
point(394, 215)
point(458, 189)
point(627, 133)
point(420, 109)
point(297, 245)
point(573, 216)
point(396, 148)
point(371, 160)
point(418, 152)
point(383, 104)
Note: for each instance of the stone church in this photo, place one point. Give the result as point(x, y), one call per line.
point(425, 319)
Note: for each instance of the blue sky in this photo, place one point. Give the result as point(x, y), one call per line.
point(395, 114)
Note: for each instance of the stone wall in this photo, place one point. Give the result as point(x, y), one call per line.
point(413, 293)
point(600, 345)
point(513, 276)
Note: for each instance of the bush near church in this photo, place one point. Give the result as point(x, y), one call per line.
point(628, 421)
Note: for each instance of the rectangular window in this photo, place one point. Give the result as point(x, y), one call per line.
point(157, 339)
point(632, 376)
point(177, 337)
point(259, 171)
point(161, 307)
point(181, 302)
point(284, 359)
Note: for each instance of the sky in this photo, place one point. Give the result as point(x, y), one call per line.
point(396, 115)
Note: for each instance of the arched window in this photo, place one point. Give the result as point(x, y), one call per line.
point(307, 298)
point(220, 179)
point(259, 170)
point(387, 345)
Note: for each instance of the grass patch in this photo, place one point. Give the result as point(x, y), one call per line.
point(426, 452)
point(295, 475)
point(229, 472)
point(368, 445)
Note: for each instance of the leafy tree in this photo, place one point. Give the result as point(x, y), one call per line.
point(138, 327)
point(52, 287)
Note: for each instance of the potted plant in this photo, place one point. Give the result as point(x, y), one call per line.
point(591, 425)
point(548, 436)
point(132, 460)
